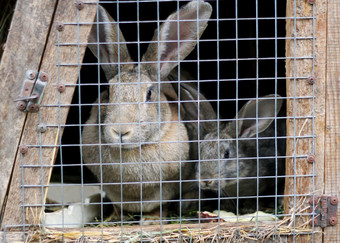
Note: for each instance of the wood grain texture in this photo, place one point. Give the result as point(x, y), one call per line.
point(25, 44)
point(332, 134)
point(36, 178)
point(299, 107)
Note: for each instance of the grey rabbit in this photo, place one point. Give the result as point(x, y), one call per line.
point(141, 137)
point(237, 139)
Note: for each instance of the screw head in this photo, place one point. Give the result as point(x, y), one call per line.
point(311, 80)
point(311, 158)
point(33, 108)
point(41, 128)
point(23, 149)
point(333, 221)
point(21, 105)
point(31, 75)
point(334, 201)
point(311, 1)
point(79, 5)
point(44, 77)
point(60, 26)
point(61, 87)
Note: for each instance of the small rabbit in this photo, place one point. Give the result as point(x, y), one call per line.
point(141, 138)
point(236, 149)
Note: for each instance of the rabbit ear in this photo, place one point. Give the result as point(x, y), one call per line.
point(188, 92)
point(177, 36)
point(266, 112)
point(205, 111)
point(107, 36)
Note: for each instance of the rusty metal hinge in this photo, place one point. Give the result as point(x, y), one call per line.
point(325, 211)
point(32, 91)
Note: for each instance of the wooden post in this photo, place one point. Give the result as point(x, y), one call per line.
point(24, 48)
point(24, 204)
point(332, 125)
point(300, 53)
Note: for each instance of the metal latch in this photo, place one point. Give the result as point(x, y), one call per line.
point(325, 211)
point(32, 91)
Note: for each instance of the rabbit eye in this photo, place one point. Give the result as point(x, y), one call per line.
point(226, 154)
point(148, 95)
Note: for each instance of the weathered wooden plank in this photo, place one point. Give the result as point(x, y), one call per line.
point(24, 48)
point(332, 134)
point(35, 179)
point(319, 102)
point(303, 67)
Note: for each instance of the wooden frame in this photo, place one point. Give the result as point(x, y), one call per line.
point(301, 67)
point(326, 90)
point(19, 55)
point(26, 49)
point(25, 132)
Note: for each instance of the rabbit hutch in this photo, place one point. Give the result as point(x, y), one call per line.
point(171, 121)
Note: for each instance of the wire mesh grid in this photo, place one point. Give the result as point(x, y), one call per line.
point(179, 117)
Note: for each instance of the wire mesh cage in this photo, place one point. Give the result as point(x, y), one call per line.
point(186, 121)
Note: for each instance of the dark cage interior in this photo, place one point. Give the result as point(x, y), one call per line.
point(241, 56)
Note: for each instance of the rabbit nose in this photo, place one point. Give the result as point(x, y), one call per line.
point(124, 134)
point(207, 183)
point(121, 133)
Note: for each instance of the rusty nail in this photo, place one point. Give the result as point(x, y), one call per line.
point(60, 26)
point(313, 201)
point(311, 158)
point(31, 75)
point(333, 220)
point(33, 108)
point(315, 222)
point(61, 87)
point(42, 128)
point(79, 5)
point(334, 201)
point(23, 149)
point(311, 80)
point(21, 105)
point(43, 77)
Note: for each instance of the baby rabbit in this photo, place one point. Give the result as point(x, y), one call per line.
point(236, 149)
point(137, 149)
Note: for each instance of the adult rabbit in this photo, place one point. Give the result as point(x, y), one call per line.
point(140, 147)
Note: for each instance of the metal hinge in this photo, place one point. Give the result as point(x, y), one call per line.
point(32, 91)
point(325, 209)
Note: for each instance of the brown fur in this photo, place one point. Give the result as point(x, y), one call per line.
point(141, 139)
